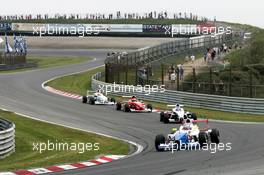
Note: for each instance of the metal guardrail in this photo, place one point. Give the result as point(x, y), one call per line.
point(215, 102)
point(7, 138)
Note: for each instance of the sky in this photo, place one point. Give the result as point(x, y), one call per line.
point(246, 12)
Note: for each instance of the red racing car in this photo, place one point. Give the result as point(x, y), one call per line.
point(133, 105)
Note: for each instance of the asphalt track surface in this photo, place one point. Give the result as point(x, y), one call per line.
point(22, 92)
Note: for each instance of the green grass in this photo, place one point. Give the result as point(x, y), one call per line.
point(54, 61)
point(29, 131)
point(50, 61)
point(80, 82)
point(77, 83)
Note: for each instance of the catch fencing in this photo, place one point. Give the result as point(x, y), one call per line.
point(215, 102)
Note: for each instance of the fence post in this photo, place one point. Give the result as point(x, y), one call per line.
point(118, 74)
point(106, 73)
point(136, 76)
point(194, 81)
point(178, 80)
point(250, 84)
point(162, 74)
point(126, 70)
point(147, 74)
point(230, 80)
point(210, 83)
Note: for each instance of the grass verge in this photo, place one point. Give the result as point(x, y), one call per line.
point(29, 131)
point(50, 61)
point(79, 83)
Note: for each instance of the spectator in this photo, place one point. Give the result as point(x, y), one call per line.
point(213, 54)
point(192, 58)
point(181, 72)
point(208, 58)
point(221, 87)
point(205, 56)
point(117, 15)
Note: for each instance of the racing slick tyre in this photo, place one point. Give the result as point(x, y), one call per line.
point(126, 108)
point(214, 136)
point(181, 121)
point(84, 99)
point(112, 100)
point(166, 118)
point(178, 144)
point(160, 139)
point(202, 138)
point(91, 100)
point(118, 106)
point(162, 116)
point(194, 116)
point(149, 106)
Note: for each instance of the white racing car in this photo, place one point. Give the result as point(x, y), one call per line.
point(188, 136)
point(97, 98)
point(176, 115)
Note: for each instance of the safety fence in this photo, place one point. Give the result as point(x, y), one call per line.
point(129, 63)
point(7, 138)
point(12, 58)
point(215, 102)
point(149, 54)
point(159, 65)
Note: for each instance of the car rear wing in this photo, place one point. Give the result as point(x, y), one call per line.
point(175, 105)
point(88, 92)
point(201, 121)
point(127, 96)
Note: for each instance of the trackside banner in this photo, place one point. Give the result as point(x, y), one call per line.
point(157, 28)
point(95, 29)
point(62, 28)
point(5, 26)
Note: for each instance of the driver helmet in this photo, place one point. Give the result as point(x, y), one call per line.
point(177, 107)
point(173, 130)
point(133, 98)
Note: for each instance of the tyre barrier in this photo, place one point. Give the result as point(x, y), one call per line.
point(7, 138)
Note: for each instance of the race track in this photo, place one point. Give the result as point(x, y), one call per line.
point(22, 92)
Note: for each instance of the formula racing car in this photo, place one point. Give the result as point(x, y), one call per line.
point(97, 98)
point(133, 105)
point(176, 115)
point(188, 136)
